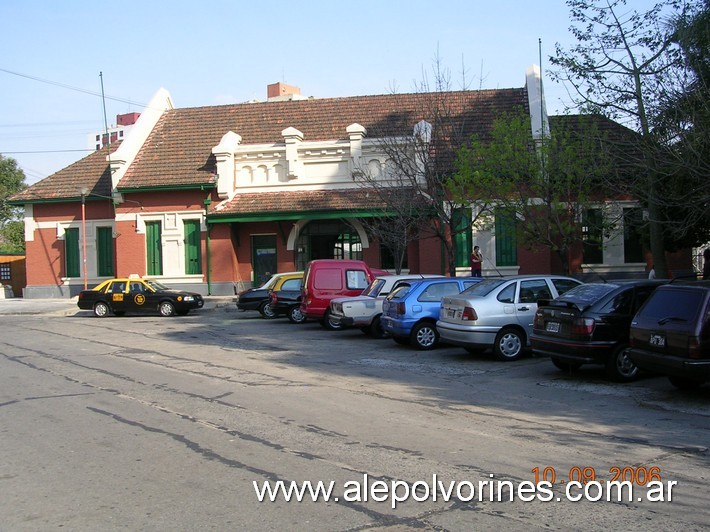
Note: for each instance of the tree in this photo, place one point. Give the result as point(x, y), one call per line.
point(684, 124)
point(420, 165)
point(12, 181)
point(623, 65)
point(547, 185)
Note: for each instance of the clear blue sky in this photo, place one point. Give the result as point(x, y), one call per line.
point(218, 52)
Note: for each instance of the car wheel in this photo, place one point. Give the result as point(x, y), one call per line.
point(620, 367)
point(564, 365)
point(684, 384)
point(101, 309)
point(509, 344)
point(424, 336)
point(166, 309)
point(295, 315)
point(266, 311)
point(376, 330)
point(329, 323)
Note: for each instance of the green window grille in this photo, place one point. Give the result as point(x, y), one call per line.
point(154, 248)
point(104, 251)
point(463, 238)
point(72, 258)
point(506, 241)
point(193, 252)
point(593, 236)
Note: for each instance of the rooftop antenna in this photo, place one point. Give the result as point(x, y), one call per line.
point(108, 137)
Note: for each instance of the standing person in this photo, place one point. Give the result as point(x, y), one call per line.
point(706, 265)
point(476, 262)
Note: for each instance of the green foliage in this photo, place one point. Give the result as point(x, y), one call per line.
point(547, 183)
point(12, 181)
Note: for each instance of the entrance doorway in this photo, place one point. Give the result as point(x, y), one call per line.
point(263, 257)
point(327, 239)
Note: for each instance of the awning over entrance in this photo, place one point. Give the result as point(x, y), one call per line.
point(313, 204)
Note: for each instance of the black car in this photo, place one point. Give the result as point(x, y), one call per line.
point(259, 298)
point(287, 301)
point(134, 294)
point(670, 334)
point(590, 325)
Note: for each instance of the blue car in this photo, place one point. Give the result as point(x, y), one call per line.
point(409, 313)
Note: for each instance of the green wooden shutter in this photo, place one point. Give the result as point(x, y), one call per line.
point(193, 254)
point(104, 251)
point(71, 252)
point(506, 242)
point(154, 248)
point(463, 237)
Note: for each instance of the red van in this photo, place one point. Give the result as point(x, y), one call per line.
point(325, 279)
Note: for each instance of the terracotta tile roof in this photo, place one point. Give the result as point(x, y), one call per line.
point(178, 151)
point(299, 202)
point(91, 172)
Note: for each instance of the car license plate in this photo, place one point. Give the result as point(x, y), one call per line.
point(552, 326)
point(450, 313)
point(657, 340)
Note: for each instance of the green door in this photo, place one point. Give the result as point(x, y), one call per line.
point(263, 257)
point(154, 248)
point(193, 254)
point(71, 252)
point(104, 251)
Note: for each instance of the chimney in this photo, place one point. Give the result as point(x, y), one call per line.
point(282, 91)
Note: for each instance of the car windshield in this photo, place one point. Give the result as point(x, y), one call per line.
point(586, 294)
point(374, 289)
point(484, 287)
point(155, 285)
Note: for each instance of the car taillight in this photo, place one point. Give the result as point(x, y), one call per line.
point(469, 314)
point(694, 350)
point(539, 322)
point(400, 308)
point(274, 298)
point(583, 326)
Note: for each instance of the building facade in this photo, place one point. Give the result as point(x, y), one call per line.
point(217, 198)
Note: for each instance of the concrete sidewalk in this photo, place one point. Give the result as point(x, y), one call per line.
point(67, 307)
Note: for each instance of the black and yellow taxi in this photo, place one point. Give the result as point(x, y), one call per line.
point(135, 294)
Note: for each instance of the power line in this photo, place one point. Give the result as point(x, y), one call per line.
point(46, 151)
point(69, 87)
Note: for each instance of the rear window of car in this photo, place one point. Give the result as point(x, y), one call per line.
point(375, 288)
point(680, 304)
point(585, 295)
point(434, 292)
point(292, 284)
point(484, 287)
point(564, 285)
point(399, 292)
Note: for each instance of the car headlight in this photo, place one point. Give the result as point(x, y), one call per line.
point(188, 298)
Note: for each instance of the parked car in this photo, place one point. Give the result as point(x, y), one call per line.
point(135, 294)
point(286, 301)
point(326, 279)
point(498, 313)
point(670, 334)
point(259, 298)
point(409, 312)
point(364, 311)
point(590, 325)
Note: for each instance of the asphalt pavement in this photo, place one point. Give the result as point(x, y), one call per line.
point(67, 307)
